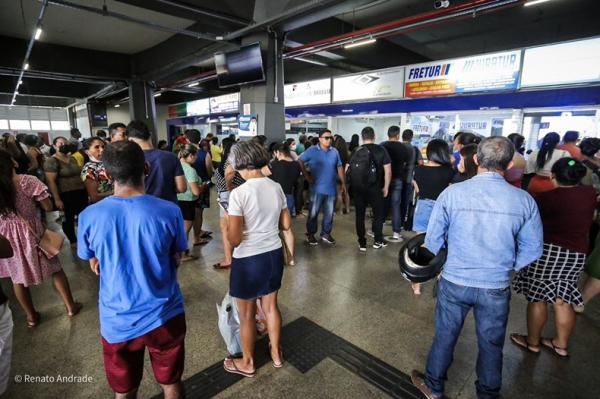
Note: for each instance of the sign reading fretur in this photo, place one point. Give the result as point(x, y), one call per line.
point(228, 103)
point(306, 93)
point(489, 72)
point(563, 63)
point(387, 83)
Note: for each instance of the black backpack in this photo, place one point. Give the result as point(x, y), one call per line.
point(362, 170)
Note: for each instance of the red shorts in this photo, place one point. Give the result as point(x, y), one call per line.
point(124, 361)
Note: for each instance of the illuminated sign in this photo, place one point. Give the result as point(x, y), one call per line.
point(489, 72)
point(228, 103)
point(381, 84)
point(306, 93)
point(198, 107)
point(556, 64)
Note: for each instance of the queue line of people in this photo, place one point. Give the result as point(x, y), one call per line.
point(256, 257)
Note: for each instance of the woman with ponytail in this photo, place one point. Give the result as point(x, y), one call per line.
point(540, 163)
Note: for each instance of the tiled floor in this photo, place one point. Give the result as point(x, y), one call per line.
point(361, 298)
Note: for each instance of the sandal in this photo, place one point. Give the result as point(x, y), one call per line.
point(188, 258)
point(522, 342)
point(548, 343)
point(235, 370)
point(77, 307)
point(221, 265)
point(202, 241)
point(33, 323)
point(276, 365)
point(206, 234)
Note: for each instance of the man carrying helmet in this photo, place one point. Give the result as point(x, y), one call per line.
point(491, 228)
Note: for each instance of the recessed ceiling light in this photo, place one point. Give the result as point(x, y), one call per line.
point(360, 43)
point(117, 105)
point(194, 84)
point(38, 33)
point(157, 94)
point(26, 66)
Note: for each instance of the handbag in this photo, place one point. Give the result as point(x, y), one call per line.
point(49, 243)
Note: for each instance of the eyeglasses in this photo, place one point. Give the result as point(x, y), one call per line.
point(327, 137)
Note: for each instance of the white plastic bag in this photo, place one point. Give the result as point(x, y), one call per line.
point(229, 324)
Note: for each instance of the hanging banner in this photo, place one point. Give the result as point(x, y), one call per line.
point(306, 93)
point(381, 84)
point(248, 125)
point(198, 107)
point(228, 103)
point(490, 72)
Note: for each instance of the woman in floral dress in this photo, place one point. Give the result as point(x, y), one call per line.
point(20, 196)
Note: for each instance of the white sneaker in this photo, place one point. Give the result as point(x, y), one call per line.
point(362, 248)
point(396, 237)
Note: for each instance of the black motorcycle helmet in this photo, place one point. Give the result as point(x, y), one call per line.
point(418, 264)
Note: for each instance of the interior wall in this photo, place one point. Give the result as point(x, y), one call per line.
point(346, 127)
point(121, 114)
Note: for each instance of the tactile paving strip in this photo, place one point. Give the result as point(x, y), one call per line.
point(304, 345)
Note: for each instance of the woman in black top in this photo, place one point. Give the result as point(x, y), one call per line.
point(354, 143)
point(429, 182)
point(285, 171)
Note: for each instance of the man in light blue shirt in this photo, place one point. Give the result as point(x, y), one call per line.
point(325, 168)
point(491, 229)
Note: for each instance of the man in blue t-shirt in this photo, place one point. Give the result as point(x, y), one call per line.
point(325, 168)
point(165, 175)
point(134, 242)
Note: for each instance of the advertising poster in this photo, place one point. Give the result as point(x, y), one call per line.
point(248, 125)
point(306, 93)
point(490, 72)
point(371, 85)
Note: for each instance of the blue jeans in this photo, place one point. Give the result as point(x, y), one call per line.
point(318, 201)
point(395, 202)
point(291, 204)
point(422, 214)
point(490, 307)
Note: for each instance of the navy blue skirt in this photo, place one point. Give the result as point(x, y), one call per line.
point(255, 276)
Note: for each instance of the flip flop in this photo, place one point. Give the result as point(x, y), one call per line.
point(35, 322)
point(548, 344)
point(188, 258)
point(521, 342)
point(76, 310)
point(203, 241)
point(206, 234)
point(235, 370)
point(276, 365)
point(221, 266)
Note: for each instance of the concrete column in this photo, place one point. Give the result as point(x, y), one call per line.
point(142, 106)
point(266, 99)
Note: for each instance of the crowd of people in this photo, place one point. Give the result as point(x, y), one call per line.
point(129, 209)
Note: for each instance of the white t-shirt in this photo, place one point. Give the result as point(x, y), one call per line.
point(260, 201)
point(546, 170)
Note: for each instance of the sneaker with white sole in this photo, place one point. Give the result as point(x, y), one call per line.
point(382, 244)
point(362, 248)
point(371, 234)
point(396, 237)
point(310, 238)
point(328, 239)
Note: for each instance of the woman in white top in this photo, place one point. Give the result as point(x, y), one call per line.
point(257, 211)
point(540, 162)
